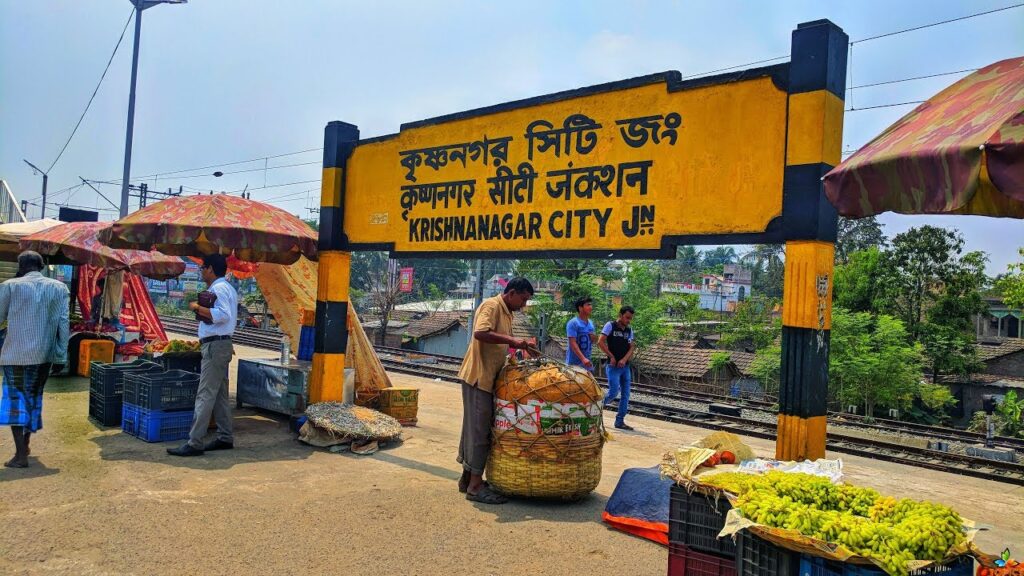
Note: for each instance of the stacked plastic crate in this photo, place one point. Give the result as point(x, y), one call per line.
point(695, 519)
point(158, 406)
point(106, 389)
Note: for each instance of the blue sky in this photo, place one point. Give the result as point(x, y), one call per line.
point(230, 80)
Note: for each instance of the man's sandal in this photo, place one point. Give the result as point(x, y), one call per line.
point(486, 496)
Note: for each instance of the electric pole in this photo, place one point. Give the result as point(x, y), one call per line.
point(45, 178)
point(140, 5)
point(478, 297)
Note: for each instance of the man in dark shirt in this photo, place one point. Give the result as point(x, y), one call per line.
point(616, 341)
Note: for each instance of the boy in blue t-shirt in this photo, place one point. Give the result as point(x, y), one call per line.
point(580, 331)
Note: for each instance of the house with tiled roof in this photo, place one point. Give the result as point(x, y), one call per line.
point(678, 364)
point(444, 333)
point(1002, 356)
point(1003, 360)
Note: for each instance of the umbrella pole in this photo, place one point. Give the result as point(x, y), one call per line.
point(75, 279)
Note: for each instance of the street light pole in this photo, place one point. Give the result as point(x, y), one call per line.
point(140, 5)
point(45, 178)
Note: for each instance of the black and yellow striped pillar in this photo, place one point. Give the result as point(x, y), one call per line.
point(331, 332)
point(817, 81)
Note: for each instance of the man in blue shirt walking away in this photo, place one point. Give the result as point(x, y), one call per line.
point(617, 342)
point(580, 331)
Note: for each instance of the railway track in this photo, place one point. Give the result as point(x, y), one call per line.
point(254, 337)
point(835, 418)
point(445, 368)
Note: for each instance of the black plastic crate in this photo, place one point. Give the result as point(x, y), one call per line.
point(683, 561)
point(695, 519)
point(187, 361)
point(105, 411)
point(165, 391)
point(759, 557)
point(106, 380)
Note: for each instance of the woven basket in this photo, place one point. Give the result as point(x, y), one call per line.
point(538, 466)
point(548, 431)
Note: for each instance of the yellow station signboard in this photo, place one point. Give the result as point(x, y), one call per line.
point(624, 167)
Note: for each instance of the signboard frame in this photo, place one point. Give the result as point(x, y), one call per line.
point(813, 83)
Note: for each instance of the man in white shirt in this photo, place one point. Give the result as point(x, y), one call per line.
point(217, 324)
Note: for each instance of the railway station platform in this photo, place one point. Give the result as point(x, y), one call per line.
point(97, 501)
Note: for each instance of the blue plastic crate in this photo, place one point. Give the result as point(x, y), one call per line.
point(155, 425)
point(815, 566)
point(306, 337)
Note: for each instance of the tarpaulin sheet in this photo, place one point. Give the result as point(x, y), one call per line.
point(640, 504)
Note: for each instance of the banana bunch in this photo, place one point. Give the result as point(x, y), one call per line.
point(891, 531)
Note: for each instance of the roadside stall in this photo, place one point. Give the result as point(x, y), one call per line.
point(960, 152)
point(280, 250)
point(761, 517)
point(127, 319)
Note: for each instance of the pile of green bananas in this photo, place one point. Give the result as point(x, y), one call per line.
point(890, 531)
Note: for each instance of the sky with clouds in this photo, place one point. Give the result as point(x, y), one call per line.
point(231, 80)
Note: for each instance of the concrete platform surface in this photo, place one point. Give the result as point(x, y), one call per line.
point(99, 502)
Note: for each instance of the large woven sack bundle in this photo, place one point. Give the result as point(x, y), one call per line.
point(548, 431)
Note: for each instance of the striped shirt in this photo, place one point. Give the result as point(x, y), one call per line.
point(35, 309)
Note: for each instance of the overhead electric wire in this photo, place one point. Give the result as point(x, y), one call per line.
point(221, 165)
point(858, 41)
point(951, 20)
point(247, 170)
point(97, 89)
point(885, 105)
point(912, 78)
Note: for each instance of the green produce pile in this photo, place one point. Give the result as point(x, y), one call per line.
point(889, 531)
point(182, 346)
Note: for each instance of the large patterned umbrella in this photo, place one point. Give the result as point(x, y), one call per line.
point(961, 152)
point(12, 233)
point(78, 242)
point(197, 225)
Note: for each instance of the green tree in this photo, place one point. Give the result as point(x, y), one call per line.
point(856, 286)
point(685, 267)
point(768, 269)
point(547, 317)
point(915, 272)
point(365, 267)
point(562, 269)
point(857, 235)
point(767, 368)
point(313, 223)
point(1011, 284)
point(752, 325)
point(640, 293)
point(871, 362)
point(717, 257)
